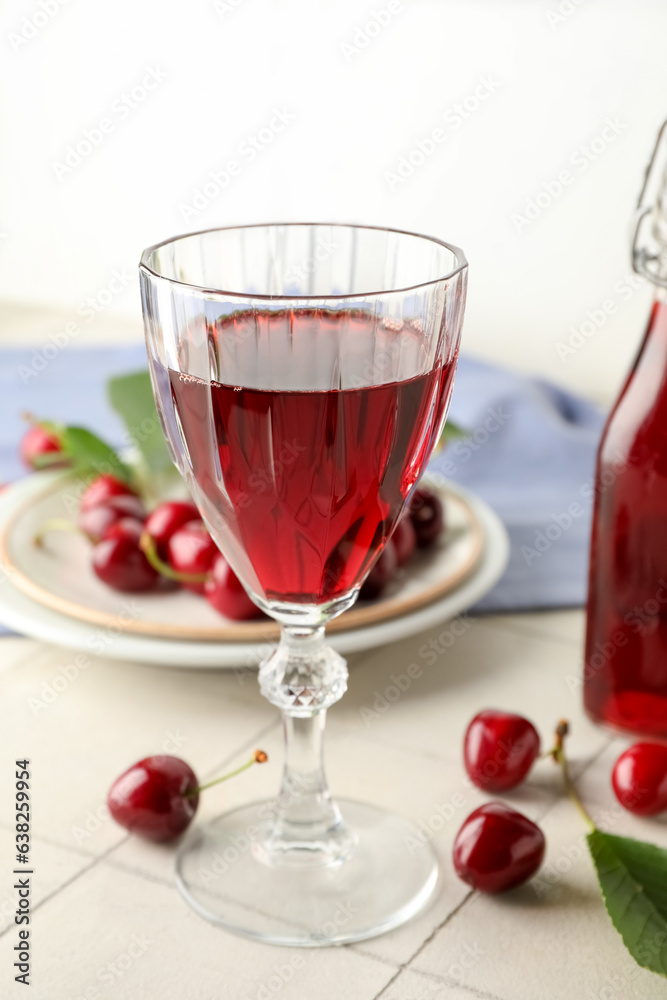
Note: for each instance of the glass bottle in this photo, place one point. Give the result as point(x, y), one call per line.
point(625, 666)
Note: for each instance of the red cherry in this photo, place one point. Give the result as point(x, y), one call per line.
point(382, 573)
point(639, 779)
point(167, 518)
point(119, 562)
point(103, 489)
point(225, 592)
point(191, 550)
point(130, 528)
point(427, 515)
point(497, 848)
point(38, 442)
point(96, 521)
point(499, 749)
point(404, 538)
point(151, 798)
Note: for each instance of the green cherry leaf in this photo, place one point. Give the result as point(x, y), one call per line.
point(48, 459)
point(89, 452)
point(633, 879)
point(451, 432)
point(132, 398)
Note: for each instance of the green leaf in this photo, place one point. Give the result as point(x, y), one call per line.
point(633, 879)
point(450, 432)
point(48, 459)
point(89, 452)
point(132, 398)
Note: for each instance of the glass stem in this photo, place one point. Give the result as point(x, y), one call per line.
point(303, 677)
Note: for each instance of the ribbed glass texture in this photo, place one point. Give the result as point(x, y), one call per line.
point(303, 374)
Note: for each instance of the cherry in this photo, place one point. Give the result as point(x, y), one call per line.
point(639, 779)
point(404, 538)
point(127, 527)
point(96, 521)
point(167, 518)
point(191, 550)
point(157, 798)
point(499, 749)
point(39, 447)
point(224, 591)
point(427, 515)
point(103, 489)
point(119, 562)
point(497, 848)
point(383, 571)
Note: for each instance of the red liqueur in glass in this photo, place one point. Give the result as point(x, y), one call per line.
point(306, 486)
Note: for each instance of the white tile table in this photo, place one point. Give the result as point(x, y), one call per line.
point(108, 923)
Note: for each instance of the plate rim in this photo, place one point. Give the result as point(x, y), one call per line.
point(40, 624)
point(258, 631)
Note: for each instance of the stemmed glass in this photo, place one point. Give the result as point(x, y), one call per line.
point(302, 373)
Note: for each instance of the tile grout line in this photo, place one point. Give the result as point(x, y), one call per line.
point(391, 744)
point(147, 876)
point(60, 888)
point(106, 855)
point(472, 990)
point(387, 985)
point(357, 948)
point(576, 776)
point(60, 845)
point(238, 699)
point(407, 965)
point(533, 633)
point(106, 858)
point(449, 981)
point(257, 736)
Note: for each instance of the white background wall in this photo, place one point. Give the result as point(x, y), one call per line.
point(558, 70)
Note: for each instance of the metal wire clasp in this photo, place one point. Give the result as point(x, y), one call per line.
point(649, 229)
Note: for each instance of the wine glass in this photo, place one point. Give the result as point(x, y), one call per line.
point(303, 373)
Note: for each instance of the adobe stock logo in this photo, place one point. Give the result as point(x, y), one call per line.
point(453, 117)
point(121, 109)
point(32, 25)
point(365, 33)
point(247, 151)
point(579, 161)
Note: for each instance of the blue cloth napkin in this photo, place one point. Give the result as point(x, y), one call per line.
point(529, 453)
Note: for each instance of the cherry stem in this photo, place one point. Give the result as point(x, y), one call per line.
point(54, 524)
point(557, 752)
point(149, 549)
point(259, 757)
point(49, 458)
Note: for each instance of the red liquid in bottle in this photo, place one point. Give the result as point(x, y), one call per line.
point(625, 672)
point(304, 487)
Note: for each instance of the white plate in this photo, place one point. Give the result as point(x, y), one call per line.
point(116, 633)
point(59, 575)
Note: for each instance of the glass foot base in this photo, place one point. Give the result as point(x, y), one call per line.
point(387, 880)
